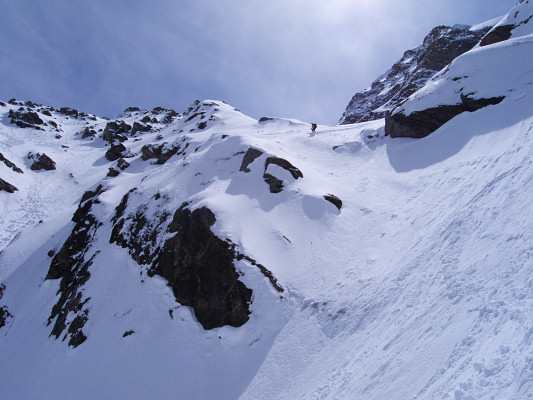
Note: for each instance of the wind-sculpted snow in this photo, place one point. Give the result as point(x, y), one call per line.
point(384, 268)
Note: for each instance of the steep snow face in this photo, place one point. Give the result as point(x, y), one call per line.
point(442, 45)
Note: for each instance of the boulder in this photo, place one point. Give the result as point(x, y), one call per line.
point(115, 152)
point(42, 162)
point(334, 200)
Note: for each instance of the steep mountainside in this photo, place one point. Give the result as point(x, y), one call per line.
point(209, 255)
point(440, 47)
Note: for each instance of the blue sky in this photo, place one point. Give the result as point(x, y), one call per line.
point(302, 59)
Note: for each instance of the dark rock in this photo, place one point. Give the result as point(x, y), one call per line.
point(334, 200)
point(132, 109)
point(199, 268)
point(122, 164)
point(248, 158)
point(7, 187)
point(47, 113)
point(171, 115)
point(42, 162)
point(202, 125)
point(115, 152)
point(146, 119)
point(295, 172)
point(440, 47)
point(265, 119)
point(137, 127)
point(138, 231)
point(115, 130)
point(161, 152)
point(51, 253)
point(4, 312)
point(113, 172)
point(275, 184)
point(68, 111)
point(3, 104)
point(9, 164)
point(71, 265)
point(88, 133)
point(497, 34)
point(29, 119)
point(421, 123)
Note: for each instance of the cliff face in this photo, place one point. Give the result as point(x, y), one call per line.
point(440, 47)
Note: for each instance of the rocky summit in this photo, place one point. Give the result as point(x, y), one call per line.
point(440, 47)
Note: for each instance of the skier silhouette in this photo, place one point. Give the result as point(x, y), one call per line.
point(313, 127)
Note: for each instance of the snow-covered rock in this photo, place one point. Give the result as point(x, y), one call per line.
point(440, 47)
point(484, 76)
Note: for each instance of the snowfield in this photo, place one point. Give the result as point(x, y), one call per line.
point(419, 287)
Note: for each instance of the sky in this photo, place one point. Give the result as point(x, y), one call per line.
point(300, 59)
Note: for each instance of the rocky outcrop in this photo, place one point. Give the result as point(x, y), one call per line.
point(421, 123)
point(498, 34)
point(4, 312)
point(248, 158)
point(275, 184)
point(442, 45)
point(161, 153)
point(88, 133)
point(71, 265)
point(519, 16)
point(334, 200)
point(199, 268)
point(115, 152)
point(41, 162)
point(9, 164)
point(116, 131)
point(138, 231)
point(7, 187)
point(25, 119)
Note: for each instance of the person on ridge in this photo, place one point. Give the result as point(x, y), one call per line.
point(313, 127)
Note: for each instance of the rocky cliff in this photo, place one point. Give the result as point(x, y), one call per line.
point(440, 47)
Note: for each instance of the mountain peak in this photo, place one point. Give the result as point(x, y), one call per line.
point(440, 47)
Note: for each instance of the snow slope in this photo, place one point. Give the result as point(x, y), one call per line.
point(419, 287)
